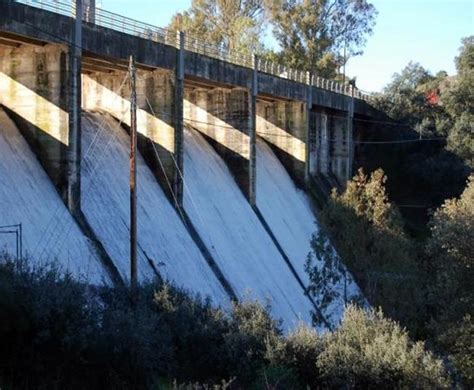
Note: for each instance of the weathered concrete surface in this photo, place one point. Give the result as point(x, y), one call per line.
point(284, 124)
point(34, 83)
point(330, 156)
point(159, 142)
point(339, 142)
point(224, 117)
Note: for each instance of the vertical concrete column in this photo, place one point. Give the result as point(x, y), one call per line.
point(338, 147)
point(324, 145)
point(350, 136)
point(73, 198)
point(252, 134)
point(309, 130)
point(178, 120)
point(88, 11)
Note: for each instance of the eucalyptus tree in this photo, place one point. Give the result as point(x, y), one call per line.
point(313, 33)
point(235, 25)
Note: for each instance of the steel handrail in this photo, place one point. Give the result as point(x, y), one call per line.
point(130, 26)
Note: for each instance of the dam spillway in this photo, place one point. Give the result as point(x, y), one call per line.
point(27, 196)
point(164, 244)
point(226, 223)
point(241, 232)
point(234, 235)
point(290, 215)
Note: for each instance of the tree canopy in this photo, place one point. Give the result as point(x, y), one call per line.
point(311, 33)
point(234, 25)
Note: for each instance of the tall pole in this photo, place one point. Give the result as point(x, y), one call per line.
point(309, 129)
point(133, 177)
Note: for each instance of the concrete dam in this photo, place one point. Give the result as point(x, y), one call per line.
point(228, 152)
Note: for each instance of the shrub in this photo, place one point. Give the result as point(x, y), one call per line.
point(370, 351)
point(56, 332)
point(301, 352)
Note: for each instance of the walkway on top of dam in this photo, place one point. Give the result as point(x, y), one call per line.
point(109, 39)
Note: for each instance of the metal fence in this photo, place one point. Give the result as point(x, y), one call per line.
point(130, 26)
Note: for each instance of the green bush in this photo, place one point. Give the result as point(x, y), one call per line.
point(370, 351)
point(56, 332)
point(301, 352)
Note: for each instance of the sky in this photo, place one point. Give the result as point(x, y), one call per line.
point(424, 31)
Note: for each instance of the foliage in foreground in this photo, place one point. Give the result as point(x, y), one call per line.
point(424, 285)
point(58, 333)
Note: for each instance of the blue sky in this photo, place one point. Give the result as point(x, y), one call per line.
point(424, 31)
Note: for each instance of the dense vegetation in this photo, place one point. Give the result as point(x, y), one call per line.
point(437, 110)
point(418, 270)
point(425, 285)
point(58, 333)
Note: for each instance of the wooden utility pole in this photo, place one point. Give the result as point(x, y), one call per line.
point(133, 177)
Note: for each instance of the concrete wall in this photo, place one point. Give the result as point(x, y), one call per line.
point(34, 86)
point(285, 124)
point(224, 116)
point(331, 155)
point(160, 140)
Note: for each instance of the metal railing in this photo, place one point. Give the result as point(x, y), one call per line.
point(59, 7)
point(130, 26)
point(126, 25)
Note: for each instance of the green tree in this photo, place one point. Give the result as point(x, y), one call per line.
point(458, 100)
point(330, 284)
point(311, 33)
point(367, 231)
point(450, 255)
point(232, 25)
point(405, 100)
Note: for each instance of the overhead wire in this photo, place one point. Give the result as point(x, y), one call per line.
point(92, 175)
point(183, 180)
point(89, 150)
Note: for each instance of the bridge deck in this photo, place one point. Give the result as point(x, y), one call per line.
point(106, 49)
